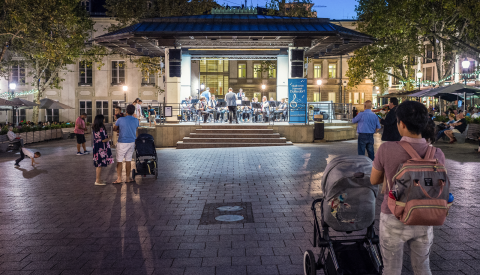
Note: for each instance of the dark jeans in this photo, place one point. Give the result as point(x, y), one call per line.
point(22, 156)
point(365, 141)
point(232, 113)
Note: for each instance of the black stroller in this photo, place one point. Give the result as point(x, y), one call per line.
point(348, 205)
point(146, 162)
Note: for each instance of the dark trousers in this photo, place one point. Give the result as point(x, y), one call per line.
point(22, 156)
point(365, 141)
point(232, 113)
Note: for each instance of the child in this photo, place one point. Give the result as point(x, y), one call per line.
point(24, 151)
point(102, 155)
point(152, 114)
point(118, 113)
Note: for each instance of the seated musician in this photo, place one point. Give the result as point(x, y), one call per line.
point(212, 107)
point(280, 110)
point(246, 111)
point(202, 109)
point(255, 111)
point(265, 109)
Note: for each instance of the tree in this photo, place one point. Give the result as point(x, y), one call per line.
point(401, 27)
point(300, 8)
point(56, 37)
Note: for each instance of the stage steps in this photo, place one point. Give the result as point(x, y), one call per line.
point(218, 136)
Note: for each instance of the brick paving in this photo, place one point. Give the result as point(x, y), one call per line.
point(53, 220)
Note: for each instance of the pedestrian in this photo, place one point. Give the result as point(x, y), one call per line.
point(368, 124)
point(206, 94)
point(102, 154)
point(118, 113)
point(138, 109)
point(412, 118)
point(390, 131)
point(24, 151)
point(80, 134)
point(127, 129)
point(152, 114)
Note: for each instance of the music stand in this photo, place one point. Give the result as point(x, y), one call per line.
point(256, 106)
point(222, 104)
point(272, 104)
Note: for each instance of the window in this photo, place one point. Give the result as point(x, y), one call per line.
point(272, 72)
point(332, 70)
point(316, 97)
point(86, 5)
point(272, 95)
point(118, 72)
point(85, 73)
point(22, 115)
point(332, 96)
point(102, 108)
point(356, 99)
point(52, 115)
point(257, 71)
point(242, 70)
point(258, 96)
point(18, 73)
point(362, 99)
point(429, 54)
point(86, 107)
point(317, 71)
point(148, 79)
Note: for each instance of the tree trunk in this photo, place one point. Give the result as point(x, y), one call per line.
point(36, 109)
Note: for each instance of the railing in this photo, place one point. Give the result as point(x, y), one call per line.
point(331, 111)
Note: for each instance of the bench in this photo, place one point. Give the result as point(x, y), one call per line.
point(462, 136)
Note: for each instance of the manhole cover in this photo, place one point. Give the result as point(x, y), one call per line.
point(230, 208)
point(229, 218)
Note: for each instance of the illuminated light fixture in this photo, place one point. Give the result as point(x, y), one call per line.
point(13, 86)
point(419, 74)
point(125, 88)
point(202, 86)
point(465, 63)
point(264, 86)
point(319, 82)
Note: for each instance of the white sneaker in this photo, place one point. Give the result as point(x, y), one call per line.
point(79, 154)
point(100, 183)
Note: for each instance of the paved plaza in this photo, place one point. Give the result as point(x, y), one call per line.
point(53, 220)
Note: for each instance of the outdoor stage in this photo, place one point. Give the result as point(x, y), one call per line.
point(169, 134)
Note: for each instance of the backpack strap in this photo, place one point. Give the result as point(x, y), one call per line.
point(430, 153)
point(413, 154)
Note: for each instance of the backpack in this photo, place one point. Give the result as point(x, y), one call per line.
point(420, 191)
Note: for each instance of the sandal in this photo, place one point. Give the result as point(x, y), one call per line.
point(117, 182)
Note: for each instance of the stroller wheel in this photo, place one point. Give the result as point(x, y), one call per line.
point(309, 267)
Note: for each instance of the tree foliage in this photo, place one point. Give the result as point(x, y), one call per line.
point(56, 35)
point(300, 8)
point(402, 29)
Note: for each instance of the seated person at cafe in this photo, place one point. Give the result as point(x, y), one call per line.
point(459, 127)
point(441, 128)
point(12, 137)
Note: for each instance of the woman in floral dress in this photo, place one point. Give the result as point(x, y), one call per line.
point(102, 155)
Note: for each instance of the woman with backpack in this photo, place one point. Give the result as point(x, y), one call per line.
point(102, 154)
point(412, 119)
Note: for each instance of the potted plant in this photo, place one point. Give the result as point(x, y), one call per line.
point(48, 132)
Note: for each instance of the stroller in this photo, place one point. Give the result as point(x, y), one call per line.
point(145, 156)
point(348, 205)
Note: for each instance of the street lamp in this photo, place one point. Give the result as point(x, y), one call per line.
point(125, 88)
point(419, 77)
point(319, 83)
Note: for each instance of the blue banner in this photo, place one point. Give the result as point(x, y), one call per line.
point(297, 100)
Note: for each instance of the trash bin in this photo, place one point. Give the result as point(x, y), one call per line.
point(319, 131)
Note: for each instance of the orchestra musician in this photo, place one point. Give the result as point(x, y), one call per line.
point(202, 109)
point(246, 111)
point(255, 111)
point(265, 109)
point(212, 108)
point(281, 109)
point(240, 94)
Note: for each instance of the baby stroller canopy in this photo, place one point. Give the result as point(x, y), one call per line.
point(349, 197)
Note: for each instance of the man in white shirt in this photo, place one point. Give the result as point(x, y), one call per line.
point(138, 110)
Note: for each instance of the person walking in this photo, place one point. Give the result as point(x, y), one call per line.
point(368, 124)
point(102, 154)
point(127, 128)
point(80, 134)
point(390, 131)
point(412, 119)
point(231, 100)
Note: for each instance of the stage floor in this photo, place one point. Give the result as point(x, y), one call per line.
point(280, 123)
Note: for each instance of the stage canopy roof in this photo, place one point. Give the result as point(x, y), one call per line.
point(223, 34)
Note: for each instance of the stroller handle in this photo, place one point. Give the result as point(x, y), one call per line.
point(315, 202)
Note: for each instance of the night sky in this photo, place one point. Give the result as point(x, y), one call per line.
point(336, 9)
